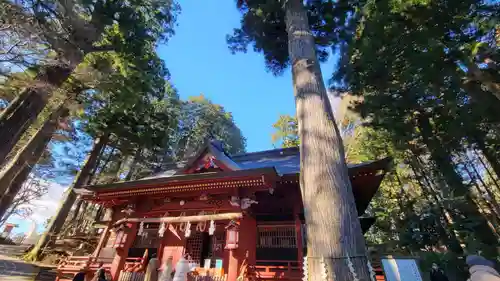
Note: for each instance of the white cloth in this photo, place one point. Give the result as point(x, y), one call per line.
point(166, 274)
point(181, 270)
point(152, 270)
point(483, 273)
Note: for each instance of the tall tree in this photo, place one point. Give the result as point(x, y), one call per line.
point(411, 63)
point(331, 217)
point(11, 178)
point(129, 112)
point(200, 119)
point(57, 221)
point(73, 30)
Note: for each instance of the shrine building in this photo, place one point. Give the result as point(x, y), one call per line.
point(219, 211)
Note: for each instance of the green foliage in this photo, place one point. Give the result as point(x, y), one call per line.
point(201, 120)
point(263, 27)
point(286, 131)
point(191, 123)
point(93, 26)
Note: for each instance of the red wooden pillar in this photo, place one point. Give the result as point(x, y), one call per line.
point(247, 244)
point(248, 239)
point(298, 235)
point(232, 268)
point(108, 216)
point(122, 250)
point(102, 241)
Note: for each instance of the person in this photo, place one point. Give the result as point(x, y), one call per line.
point(481, 269)
point(80, 276)
point(437, 274)
point(152, 269)
point(100, 274)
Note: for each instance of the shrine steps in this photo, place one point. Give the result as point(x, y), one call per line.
point(14, 250)
point(46, 274)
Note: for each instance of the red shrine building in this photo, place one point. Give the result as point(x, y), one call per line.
point(227, 215)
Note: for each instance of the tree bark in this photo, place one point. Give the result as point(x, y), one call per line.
point(137, 156)
point(334, 232)
point(491, 156)
point(23, 173)
point(32, 151)
point(493, 210)
point(466, 206)
point(455, 242)
point(16, 185)
point(81, 179)
point(95, 178)
point(487, 169)
point(476, 73)
point(487, 189)
point(76, 212)
point(25, 110)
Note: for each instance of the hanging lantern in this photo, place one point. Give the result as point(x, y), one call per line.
point(232, 233)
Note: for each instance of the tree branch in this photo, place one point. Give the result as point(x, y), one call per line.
point(104, 48)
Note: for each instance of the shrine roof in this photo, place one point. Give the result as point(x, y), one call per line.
point(212, 168)
point(284, 160)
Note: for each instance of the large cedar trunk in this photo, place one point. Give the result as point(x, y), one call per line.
point(32, 151)
point(333, 229)
point(485, 78)
point(136, 159)
point(16, 185)
point(57, 222)
point(24, 111)
point(24, 171)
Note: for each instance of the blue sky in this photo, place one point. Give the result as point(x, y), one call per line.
point(200, 62)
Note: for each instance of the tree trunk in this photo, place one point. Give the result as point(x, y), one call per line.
point(493, 211)
point(33, 150)
point(16, 185)
point(461, 193)
point(487, 169)
point(23, 173)
point(76, 212)
point(334, 232)
point(485, 78)
point(58, 220)
point(491, 156)
point(136, 159)
point(25, 110)
point(455, 242)
point(487, 189)
point(97, 173)
point(14, 104)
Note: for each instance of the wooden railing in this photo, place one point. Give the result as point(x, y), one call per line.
point(134, 264)
point(289, 270)
point(277, 269)
point(77, 263)
point(196, 277)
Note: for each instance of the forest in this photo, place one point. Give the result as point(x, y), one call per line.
point(86, 99)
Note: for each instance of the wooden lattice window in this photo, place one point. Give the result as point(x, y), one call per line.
point(194, 246)
point(276, 237)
